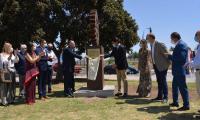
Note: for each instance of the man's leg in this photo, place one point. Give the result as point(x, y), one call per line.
point(125, 82)
point(20, 85)
point(118, 83)
point(40, 84)
point(175, 90)
point(198, 81)
point(119, 80)
point(49, 81)
point(164, 84)
point(44, 83)
point(184, 91)
point(160, 95)
point(65, 82)
point(70, 83)
point(73, 83)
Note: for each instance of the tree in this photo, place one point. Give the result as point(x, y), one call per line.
point(30, 20)
point(25, 20)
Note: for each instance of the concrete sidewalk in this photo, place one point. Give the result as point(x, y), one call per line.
point(190, 78)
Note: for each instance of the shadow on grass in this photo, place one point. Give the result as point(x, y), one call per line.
point(57, 94)
point(155, 109)
point(136, 100)
point(179, 116)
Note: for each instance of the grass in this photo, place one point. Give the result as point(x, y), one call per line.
point(131, 108)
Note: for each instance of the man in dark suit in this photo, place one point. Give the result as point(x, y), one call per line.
point(160, 64)
point(69, 63)
point(43, 69)
point(121, 64)
point(179, 58)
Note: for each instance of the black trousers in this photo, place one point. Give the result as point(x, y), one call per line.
point(162, 83)
point(69, 83)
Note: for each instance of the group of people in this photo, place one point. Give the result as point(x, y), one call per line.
point(161, 60)
point(31, 62)
point(34, 65)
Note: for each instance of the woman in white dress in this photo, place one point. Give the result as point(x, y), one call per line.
point(7, 75)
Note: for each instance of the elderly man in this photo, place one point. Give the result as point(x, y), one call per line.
point(69, 63)
point(20, 68)
point(52, 60)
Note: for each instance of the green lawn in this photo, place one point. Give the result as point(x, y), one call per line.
point(131, 108)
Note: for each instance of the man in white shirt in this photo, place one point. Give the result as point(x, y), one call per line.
point(52, 61)
point(196, 62)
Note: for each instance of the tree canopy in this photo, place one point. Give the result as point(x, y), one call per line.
point(26, 20)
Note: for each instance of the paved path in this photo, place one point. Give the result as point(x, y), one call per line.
point(190, 78)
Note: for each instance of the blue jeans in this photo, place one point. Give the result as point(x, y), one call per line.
point(179, 84)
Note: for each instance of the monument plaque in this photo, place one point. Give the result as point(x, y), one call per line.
point(96, 69)
point(93, 63)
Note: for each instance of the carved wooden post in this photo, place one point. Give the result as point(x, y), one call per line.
point(98, 84)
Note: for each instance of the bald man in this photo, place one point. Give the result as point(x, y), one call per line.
point(69, 63)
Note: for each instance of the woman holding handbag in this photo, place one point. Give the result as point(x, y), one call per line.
point(7, 74)
point(31, 73)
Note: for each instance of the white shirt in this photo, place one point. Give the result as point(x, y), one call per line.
point(52, 55)
point(8, 64)
point(196, 62)
point(153, 51)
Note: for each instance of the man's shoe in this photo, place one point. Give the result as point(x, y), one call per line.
point(71, 94)
point(46, 97)
point(42, 98)
point(165, 101)
point(157, 99)
point(49, 91)
point(183, 108)
point(174, 105)
point(125, 95)
point(66, 95)
point(73, 90)
point(118, 94)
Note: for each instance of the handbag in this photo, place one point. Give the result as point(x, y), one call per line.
point(5, 77)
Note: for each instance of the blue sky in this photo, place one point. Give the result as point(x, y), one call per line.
point(165, 17)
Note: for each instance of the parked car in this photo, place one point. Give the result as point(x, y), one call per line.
point(110, 70)
point(132, 70)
